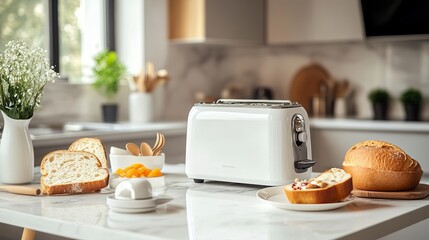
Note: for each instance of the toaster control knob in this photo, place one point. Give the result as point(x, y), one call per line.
point(302, 137)
point(298, 123)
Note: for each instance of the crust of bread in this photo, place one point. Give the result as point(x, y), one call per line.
point(381, 166)
point(71, 188)
point(81, 145)
point(330, 194)
point(386, 181)
point(74, 188)
point(380, 155)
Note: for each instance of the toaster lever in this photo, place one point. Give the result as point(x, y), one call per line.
point(304, 164)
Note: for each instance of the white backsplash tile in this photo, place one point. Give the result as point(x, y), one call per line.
point(63, 102)
point(207, 68)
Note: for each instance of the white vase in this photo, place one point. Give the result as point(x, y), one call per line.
point(141, 107)
point(16, 152)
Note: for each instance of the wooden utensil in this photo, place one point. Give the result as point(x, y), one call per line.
point(307, 83)
point(145, 149)
point(133, 149)
point(28, 234)
point(156, 144)
point(24, 190)
point(150, 70)
point(159, 142)
point(342, 88)
point(141, 82)
point(160, 145)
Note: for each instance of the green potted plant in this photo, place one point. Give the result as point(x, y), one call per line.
point(108, 70)
point(411, 100)
point(379, 98)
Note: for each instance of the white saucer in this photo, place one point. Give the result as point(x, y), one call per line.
point(130, 203)
point(135, 206)
point(277, 197)
point(132, 210)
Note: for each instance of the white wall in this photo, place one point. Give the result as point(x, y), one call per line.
point(141, 33)
point(155, 28)
point(129, 33)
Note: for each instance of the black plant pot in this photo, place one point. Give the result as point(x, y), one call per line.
point(110, 112)
point(412, 112)
point(380, 110)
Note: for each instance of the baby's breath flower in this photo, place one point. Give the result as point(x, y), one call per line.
point(24, 73)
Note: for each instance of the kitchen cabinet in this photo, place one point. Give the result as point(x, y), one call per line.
point(216, 21)
point(306, 21)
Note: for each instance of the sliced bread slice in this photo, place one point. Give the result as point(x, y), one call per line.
point(92, 145)
point(68, 172)
point(331, 186)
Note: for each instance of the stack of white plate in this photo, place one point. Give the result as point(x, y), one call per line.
point(134, 196)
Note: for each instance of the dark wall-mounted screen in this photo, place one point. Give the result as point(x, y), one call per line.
point(395, 17)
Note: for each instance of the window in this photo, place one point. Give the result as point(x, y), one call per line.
point(23, 20)
point(80, 35)
point(70, 14)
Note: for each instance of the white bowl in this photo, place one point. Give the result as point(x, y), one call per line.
point(123, 161)
point(118, 151)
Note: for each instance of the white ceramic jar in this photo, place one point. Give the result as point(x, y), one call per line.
point(141, 107)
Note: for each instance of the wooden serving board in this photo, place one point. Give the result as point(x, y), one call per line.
point(306, 84)
point(421, 191)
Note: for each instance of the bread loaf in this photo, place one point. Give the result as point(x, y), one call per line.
point(92, 145)
point(67, 172)
point(331, 186)
point(381, 166)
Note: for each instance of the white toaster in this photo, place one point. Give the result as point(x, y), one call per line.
point(258, 142)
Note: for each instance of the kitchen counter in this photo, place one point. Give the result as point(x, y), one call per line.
point(48, 136)
point(332, 137)
point(211, 210)
point(371, 125)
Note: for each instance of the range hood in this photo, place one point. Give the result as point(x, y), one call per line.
point(396, 19)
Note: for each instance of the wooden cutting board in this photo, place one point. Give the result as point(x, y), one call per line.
point(307, 82)
point(421, 191)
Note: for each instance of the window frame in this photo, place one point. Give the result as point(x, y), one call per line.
point(54, 36)
point(110, 25)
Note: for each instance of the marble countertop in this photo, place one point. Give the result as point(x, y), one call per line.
point(211, 210)
point(370, 125)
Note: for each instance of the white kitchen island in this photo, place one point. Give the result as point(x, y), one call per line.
point(211, 210)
